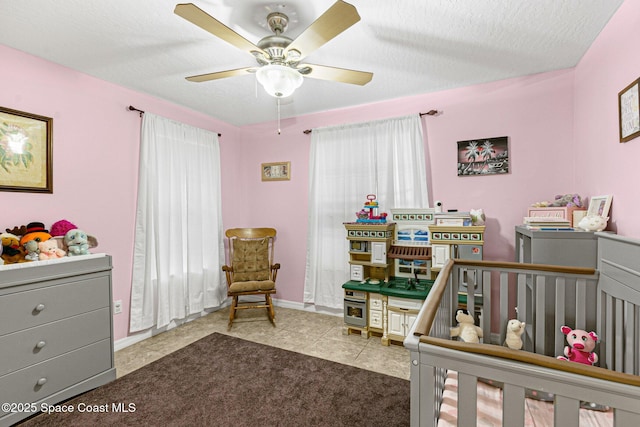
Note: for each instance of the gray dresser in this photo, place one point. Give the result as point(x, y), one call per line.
point(55, 332)
point(572, 248)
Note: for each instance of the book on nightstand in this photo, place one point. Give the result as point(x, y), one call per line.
point(547, 223)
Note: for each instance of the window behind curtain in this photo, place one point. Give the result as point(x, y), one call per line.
point(179, 248)
point(385, 158)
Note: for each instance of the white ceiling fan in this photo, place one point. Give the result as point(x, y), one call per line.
point(279, 69)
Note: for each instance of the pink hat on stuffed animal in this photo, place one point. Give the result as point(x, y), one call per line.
point(61, 227)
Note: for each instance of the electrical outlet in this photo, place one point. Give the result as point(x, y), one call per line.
point(117, 307)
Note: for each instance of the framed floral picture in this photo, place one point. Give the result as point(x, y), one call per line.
point(25, 152)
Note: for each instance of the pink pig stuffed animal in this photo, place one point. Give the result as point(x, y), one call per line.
point(581, 346)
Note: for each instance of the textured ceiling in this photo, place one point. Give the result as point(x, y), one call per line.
point(411, 46)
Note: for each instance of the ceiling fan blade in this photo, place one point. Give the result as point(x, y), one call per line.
point(336, 74)
point(221, 74)
point(202, 19)
point(334, 21)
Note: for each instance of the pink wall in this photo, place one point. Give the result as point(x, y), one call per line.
point(562, 128)
point(95, 157)
point(604, 165)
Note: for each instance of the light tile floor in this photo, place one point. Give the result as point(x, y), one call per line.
point(318, 335)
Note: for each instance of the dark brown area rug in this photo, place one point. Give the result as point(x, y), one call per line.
point(222, 380)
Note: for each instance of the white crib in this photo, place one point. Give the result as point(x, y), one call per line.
point(606, 300)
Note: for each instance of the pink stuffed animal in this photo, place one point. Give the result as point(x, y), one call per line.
point(49, 250)
point(581, 346)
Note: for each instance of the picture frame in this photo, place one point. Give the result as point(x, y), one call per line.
point(26, 152)
point(599, 205)
point(483, 156)
point(278, 171)
point(629, 111)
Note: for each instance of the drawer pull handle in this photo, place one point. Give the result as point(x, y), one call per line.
point(41, 344)
point(39, 307)
point(41, 381)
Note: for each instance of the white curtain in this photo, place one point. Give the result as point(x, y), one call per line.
point(385, 158)
point(179, 248)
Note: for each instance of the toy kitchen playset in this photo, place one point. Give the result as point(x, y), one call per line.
point(393, 265)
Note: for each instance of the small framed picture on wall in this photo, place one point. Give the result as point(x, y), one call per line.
point(280, 171)
point(629, 111)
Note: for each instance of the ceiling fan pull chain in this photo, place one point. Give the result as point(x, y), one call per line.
point(278, 104)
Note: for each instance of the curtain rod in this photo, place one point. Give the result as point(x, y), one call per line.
point(428, 113)
point(132, 108)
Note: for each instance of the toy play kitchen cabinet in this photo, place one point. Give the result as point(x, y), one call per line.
point(374, 302)
point(368, 247)
point(56, 334)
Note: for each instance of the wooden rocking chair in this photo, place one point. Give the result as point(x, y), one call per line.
point(252, 271)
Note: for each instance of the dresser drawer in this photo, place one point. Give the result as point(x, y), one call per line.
point(22, 310)
point(34, 345)
point(55, 374)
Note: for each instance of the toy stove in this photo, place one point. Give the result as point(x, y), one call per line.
point(411, 245)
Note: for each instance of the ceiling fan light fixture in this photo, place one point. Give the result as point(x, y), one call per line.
point(279, 81)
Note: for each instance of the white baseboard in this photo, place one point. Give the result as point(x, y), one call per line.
point(141, 336)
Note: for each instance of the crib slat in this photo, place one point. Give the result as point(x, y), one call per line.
point(513, 406)
point(636, 341)
point(524, 314)
point(624, 419)
point(427, 406)
point(629, 333)
point(504, 304)
point(581, 304)
point(566, 412)
point(470, 281)
point(607, 320)
point(539, 310)
point(467, 398)
point(486, 301)
point(560, 316)
point(619, 337)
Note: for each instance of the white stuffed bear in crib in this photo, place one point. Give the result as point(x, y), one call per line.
point(466, 330)
point(515, 329)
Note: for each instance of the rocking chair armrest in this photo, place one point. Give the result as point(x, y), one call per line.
point(228, 272)
point(275, 266)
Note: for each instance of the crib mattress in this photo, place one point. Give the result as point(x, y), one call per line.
point(537, 413)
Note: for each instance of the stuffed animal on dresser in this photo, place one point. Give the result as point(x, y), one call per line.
point(77, 242)
point(12, 252)
point(466, 330)
point(49, 250)
point(581, 346)
point(33, 251)
point(34, 231)
point(515, 329)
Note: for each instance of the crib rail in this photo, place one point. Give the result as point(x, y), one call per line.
point(546, 298)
